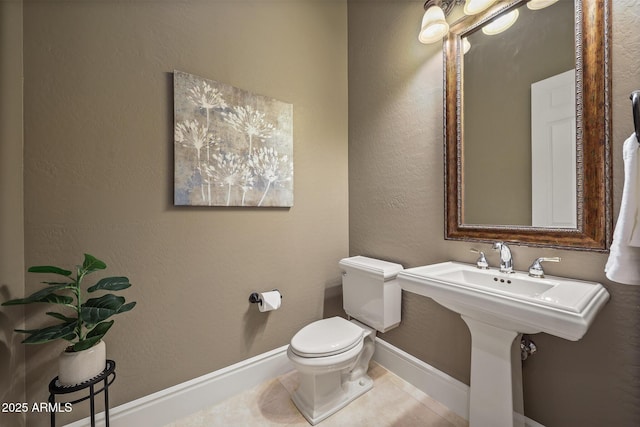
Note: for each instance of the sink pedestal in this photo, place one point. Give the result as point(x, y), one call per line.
point(496, 376)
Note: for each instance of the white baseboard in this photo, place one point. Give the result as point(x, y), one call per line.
point(187, 398)
point(445, 389)
point(184, 399)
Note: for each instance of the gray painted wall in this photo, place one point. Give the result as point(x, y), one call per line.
point(98, 177)
point(12, 372)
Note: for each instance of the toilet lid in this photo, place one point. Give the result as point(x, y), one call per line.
point(326, 337)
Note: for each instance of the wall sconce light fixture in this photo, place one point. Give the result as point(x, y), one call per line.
point(434, 25)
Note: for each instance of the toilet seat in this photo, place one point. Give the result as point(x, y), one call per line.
point(326, 337)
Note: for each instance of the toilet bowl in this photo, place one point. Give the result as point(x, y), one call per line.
point(332, 355)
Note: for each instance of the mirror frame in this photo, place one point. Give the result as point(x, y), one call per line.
point(593, 122)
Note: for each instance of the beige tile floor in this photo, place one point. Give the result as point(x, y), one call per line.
point(391, 403)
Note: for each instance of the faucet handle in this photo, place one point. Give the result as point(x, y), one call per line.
point(535, 270)
point(481, 262)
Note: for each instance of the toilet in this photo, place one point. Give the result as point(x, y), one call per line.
point(332, 355)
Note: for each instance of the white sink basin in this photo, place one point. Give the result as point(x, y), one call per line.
point(558, 306)
point(498, 308)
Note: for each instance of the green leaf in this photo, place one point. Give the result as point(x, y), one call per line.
point(45, 295)
point(126, 307)
point(53, 299)
point(93, 336)
point(58, 283)
point(69, 337)
point(85, 344)
point(91, 263)
point(95, 310)
point(111, 284)
point(50, 333)
point(58, 299)
point(49, 269)
point(100, 329)
point(60, 316)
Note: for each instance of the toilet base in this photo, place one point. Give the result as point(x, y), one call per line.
point(351, 390)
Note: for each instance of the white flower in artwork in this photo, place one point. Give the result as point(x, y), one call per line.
point(271, 167)
point(248, 180)
point(191, 134)
point(250, 122)
point(229, 170)
point(206, 97)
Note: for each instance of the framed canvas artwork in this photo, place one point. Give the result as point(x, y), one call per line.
point(232, 147)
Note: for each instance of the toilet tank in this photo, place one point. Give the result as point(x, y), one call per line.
point(370, 291)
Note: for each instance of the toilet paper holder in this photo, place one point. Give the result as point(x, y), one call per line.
point(254, 298)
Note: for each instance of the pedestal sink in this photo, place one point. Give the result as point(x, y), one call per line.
point(498, 308)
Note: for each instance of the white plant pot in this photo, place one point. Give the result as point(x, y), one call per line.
point(77, 367)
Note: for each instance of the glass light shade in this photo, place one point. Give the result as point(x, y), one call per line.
point(434, 26)
point(472, 7)
point(540, 4)
point(500, 24)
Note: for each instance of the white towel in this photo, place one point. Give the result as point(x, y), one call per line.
point(623, 265)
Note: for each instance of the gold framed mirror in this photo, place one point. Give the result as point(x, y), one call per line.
point(591, 227)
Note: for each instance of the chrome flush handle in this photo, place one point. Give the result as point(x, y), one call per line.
point(536, 270)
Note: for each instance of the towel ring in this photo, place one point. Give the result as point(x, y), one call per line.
point(635, 105)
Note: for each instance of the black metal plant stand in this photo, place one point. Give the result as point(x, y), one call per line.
point(107, 376)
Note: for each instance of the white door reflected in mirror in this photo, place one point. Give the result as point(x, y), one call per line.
point(553, 152)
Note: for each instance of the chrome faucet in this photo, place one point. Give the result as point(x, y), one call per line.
point(506, 260)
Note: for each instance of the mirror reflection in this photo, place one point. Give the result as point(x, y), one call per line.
point(519, 125)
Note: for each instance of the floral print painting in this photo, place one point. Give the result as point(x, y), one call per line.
point(232, 147)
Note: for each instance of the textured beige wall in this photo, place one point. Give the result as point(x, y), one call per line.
point(12, 373)
point(99, 176)
point(396, 213)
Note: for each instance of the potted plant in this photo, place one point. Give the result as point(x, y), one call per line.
point(85, 322)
